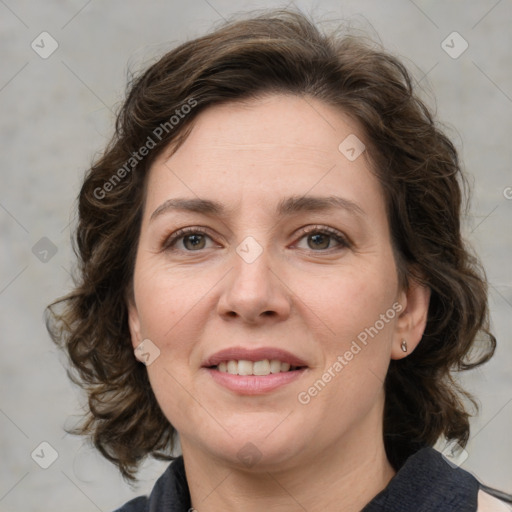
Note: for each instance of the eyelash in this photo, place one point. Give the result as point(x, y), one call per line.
point(169, 242)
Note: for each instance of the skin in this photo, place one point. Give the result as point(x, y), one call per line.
point(306, 296)
point(488, 503)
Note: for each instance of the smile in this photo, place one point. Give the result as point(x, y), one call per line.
point(260, 368)
point(254, 371)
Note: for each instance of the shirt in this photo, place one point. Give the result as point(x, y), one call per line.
point(425, 483)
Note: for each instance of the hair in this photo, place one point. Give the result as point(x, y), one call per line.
point(282, 52)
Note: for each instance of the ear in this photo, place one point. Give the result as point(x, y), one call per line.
point(412, 320)
point(133, 322)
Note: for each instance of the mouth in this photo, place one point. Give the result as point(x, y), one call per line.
point(256, 371)
point(260, 368)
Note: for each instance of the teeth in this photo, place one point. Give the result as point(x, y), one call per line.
point(244, 367)
point(232, 367)
point(261, 367)
point(275, 366)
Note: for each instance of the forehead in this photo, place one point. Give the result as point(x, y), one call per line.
point(257, 150)
point(274, 122)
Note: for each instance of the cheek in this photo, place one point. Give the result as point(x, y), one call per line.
point(166, 301)
point(172, 313)
point(172, 308)
point(355, 358)
point(357, 321)
point(350, 300)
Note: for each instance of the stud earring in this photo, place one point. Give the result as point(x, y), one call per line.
point(404, 346)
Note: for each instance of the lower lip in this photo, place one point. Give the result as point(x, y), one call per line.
point(254, 384)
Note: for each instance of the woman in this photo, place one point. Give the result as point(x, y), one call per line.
point(271, 268)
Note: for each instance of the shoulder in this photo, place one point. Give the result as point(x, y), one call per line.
point(426, 481)
point(488, 503)
point(170, 492)
point(135, 505)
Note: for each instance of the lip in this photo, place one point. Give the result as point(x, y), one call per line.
point(253, 384)
point(256, 354)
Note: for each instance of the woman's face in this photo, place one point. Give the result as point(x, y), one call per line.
point(286, 260)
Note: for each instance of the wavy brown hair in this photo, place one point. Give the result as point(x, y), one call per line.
point(278, 51)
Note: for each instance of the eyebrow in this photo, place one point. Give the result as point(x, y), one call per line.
point(286, 207)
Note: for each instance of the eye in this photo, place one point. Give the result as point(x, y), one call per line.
point(187, 239)
point(320, 238)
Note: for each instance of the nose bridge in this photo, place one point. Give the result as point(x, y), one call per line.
point(253, 291)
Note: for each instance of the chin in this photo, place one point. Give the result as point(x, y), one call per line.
point(262, 445)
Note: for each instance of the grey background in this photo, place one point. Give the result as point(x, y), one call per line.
point(57, 113)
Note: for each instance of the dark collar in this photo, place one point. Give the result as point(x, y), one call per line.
point(425, 483)
point(170, 492)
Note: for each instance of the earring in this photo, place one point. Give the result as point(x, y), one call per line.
point(404, 346)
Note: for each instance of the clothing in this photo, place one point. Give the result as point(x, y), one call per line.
point(425, 483)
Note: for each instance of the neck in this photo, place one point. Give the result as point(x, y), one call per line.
point(344, 477)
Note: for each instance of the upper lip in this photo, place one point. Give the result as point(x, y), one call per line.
point(257, 354)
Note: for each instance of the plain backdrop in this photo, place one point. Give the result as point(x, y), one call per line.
point(57, 112)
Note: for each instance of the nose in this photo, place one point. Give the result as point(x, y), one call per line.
point(255, 292)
